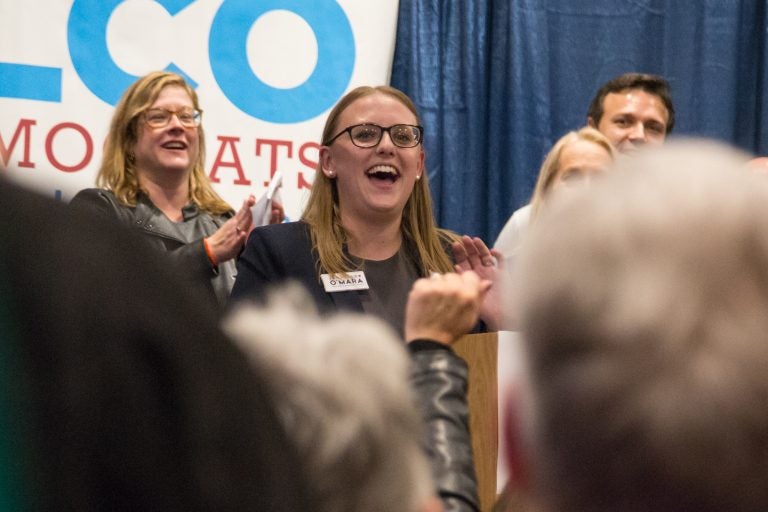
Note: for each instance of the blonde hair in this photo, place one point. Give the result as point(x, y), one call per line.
point(117, 171)
point(551, 165)
point(420, 234)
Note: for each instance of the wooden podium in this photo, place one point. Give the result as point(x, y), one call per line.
point(480, 351)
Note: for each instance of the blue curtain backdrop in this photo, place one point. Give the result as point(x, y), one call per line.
point(497, 82)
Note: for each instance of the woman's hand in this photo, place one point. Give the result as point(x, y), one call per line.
point(472, 254)
point(278, 213)
point(227, 242)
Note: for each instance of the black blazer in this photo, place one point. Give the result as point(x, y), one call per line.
point(279, 253)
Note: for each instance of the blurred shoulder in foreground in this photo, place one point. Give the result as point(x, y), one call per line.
point(121, 393)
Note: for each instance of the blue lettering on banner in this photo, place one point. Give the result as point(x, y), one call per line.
point(229, 59)
point(30, 82)
point(87, 39)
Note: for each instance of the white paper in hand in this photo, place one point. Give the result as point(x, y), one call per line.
point(262, 210)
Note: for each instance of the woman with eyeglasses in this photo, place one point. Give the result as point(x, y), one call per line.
point(367, 231)
point(366, 235)
point(152, 178)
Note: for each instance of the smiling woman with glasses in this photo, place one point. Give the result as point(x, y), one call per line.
point(367, 231)
point(366, 235)
point(152, 178)
point(368, 218)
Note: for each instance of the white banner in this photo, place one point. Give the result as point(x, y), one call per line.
point(267, 72)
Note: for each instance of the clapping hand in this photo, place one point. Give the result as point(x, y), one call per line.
point(472, 254)
point(227, 242)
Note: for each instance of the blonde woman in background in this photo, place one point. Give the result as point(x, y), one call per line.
point(575, 159)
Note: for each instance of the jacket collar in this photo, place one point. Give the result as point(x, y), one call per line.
point(148, 217)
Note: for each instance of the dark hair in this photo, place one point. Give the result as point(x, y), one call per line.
point(652, 84)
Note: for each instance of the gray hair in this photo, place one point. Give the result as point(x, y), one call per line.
point(342, 389)
point(644, 306)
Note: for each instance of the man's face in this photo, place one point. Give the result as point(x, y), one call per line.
point(633, 118)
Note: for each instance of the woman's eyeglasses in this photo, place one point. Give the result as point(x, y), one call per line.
point(160, 117)
point(369, 135)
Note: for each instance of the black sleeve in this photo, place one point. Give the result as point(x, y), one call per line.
point(259, 267)
point(439, 378)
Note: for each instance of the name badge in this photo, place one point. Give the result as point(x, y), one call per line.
point(340, 283)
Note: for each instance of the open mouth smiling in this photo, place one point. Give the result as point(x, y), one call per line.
point(383, 173)
point(175, 144)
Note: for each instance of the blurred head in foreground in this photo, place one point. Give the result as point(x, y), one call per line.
point(345, 400)
point(644, 309)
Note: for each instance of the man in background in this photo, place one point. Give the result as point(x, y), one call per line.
point(632, 110)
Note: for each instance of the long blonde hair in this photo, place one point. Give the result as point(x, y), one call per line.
point(551, 165)
point(420, 234)
point(117, 171)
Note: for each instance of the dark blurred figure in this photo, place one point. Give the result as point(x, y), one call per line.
point(120, 392)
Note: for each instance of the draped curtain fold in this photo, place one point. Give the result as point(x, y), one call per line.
point(497, 82)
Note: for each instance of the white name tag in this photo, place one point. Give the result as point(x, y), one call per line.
point(352, 281)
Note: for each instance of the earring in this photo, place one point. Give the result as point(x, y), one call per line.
point(331, 174)
point(418, 177)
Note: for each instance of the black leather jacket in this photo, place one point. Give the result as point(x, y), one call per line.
point(184, 247)
point(439, 377)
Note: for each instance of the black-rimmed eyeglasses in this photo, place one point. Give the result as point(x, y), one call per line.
point(369, 135)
